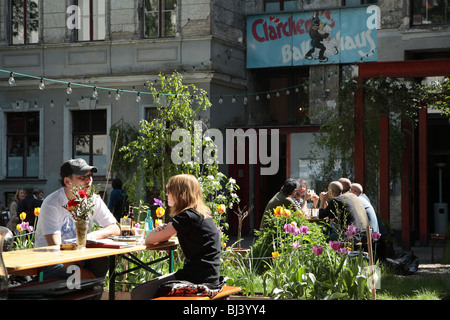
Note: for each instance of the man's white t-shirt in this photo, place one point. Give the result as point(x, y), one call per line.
point(55, 219)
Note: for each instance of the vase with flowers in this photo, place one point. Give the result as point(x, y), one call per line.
point(81, 207)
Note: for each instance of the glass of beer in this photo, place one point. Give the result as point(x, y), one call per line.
point(125, 226)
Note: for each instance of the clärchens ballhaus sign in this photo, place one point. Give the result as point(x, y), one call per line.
point(312, 37)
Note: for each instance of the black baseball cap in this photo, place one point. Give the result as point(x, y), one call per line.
point(76, 166)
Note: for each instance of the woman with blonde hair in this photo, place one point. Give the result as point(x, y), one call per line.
point(13, 214)
point(197, 234)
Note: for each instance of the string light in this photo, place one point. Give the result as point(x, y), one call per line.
point(42, 84)
point(52, 104)
point(222, 98)
point(11, 79)
point(67, 102)
point(95, 93)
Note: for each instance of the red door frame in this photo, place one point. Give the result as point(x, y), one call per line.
point(399, 69)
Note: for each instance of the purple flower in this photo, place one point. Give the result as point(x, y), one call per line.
point(343, 250)
point(304, 230)
point(26, 226)
point(292, 229)
point(158, 202)
point(375, 236)
point(335, 245)
point(317, 250)
point(295, 245)
point(351, 231)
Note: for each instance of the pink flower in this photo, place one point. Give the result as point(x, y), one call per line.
point(343, 250)
point(351, 231)
point(292, 229)
point(304, 230)
point(375, 236)
point(317, 250)
point(335, 245)
point(295, 245)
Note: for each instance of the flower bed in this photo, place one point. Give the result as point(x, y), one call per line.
point(292, 259)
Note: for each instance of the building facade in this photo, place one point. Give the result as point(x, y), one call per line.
point(254, 79)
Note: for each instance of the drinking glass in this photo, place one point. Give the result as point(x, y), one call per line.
point(139, 233)
point(125, 226)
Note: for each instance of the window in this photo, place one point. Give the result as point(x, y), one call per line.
point(280, 5)
point(92, 20)
point(160, 18)
point(24, 21)
point(22, 136)
point(430, 12)
point(287, 100)
point(350, 3)
point(89, 136)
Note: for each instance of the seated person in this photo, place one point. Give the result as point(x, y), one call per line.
point(55, 223)
point(282, 198)
point(197, 234)
point(334, 206)
point(357, 190)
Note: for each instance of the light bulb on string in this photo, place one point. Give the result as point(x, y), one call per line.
point(257, 98)
point(296, 90)
point(138, 97)
point(268, 96)
point(95, 93)
point(245, 100)
point(11, 80)
point(52, 104)
point(233, 100)
point(277, 94)
point(117, 96)
point(67, 102)
point(69, 89)
point(35, 105)
point(288, 92)
point(220, 100)
point(42, 84)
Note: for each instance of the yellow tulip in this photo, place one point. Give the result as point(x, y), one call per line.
point(160, 212)
point(37, 211)
point(278, 211)
point(221, 208)
point(286, 213)
point(19, 227)
point(22, 216)
point(275, 254)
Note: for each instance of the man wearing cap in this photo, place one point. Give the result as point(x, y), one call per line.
point(282, 198)
point(56, 225)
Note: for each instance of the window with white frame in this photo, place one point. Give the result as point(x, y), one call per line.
point(92, 20)
point(24, 21)
point(159, 18)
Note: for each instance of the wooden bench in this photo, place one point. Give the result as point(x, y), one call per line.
point(437, 237)
point(226, 292)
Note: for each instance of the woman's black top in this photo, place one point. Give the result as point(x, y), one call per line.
point(200, 241)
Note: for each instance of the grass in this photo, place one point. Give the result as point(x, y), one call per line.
point(397, 287)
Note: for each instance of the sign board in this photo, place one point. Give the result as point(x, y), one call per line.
point(312, 37)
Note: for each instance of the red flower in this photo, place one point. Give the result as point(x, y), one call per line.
point(72, 204)
point(82, 194)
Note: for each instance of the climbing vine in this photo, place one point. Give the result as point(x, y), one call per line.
point(399, 99)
